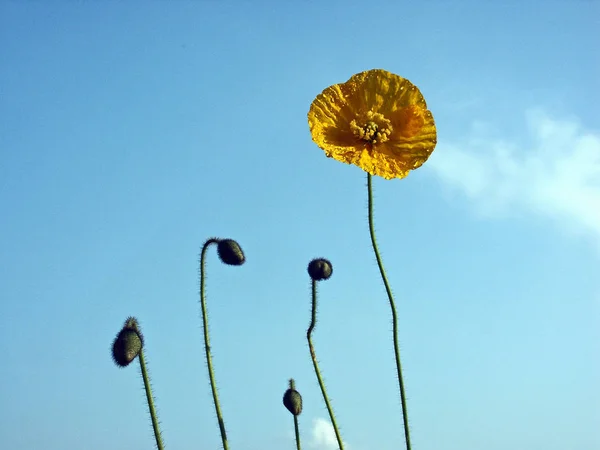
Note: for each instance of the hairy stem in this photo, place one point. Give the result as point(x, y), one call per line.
point(313, 356)
point(207, 346)
point(148, 389)
point(394, 314)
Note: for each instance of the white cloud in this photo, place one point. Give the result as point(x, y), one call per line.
point(555, 174)
point(323, 436)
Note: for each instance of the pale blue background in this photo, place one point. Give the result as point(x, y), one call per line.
point(129, 134)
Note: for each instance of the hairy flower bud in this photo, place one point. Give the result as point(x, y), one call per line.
point(320, 269)
point(292, 400)
point(128, 344)
point(230, 252)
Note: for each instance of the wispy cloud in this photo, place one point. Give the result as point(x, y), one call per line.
point(555, 172)
point(323, 436)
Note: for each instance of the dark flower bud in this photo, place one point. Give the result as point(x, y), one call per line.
point(126, 346)
point(230, 252)
point(292, 400)
point(131, 322)
point(320, 269)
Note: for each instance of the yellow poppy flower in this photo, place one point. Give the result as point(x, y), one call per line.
point(377, 121)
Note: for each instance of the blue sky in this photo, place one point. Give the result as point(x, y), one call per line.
point(132, 133)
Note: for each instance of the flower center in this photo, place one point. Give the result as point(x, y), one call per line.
point(374, 128)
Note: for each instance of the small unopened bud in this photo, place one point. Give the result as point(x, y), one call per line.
point(320, 269)
point(292, 400)
point(230, 252)
point(127, 345)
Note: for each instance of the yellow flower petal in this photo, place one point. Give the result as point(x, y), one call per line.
point(377, 121)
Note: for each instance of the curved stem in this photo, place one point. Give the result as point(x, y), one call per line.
point(394, 314)
point(207, 346)
point(148, 389)
point(313, 356)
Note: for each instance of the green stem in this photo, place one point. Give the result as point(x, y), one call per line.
point(298, 447)
point(296, 429)
point(148, 389)
point(394, 314)
point(207, 346)
point(313, 356)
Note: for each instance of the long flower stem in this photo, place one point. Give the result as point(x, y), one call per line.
point(313, 356)
point(148, 389)
point(297, 431)
point(394, 314)
point(207, 346)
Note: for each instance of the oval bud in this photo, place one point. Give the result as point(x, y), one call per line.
point(126, 346)
point(230, 252)
point(292, 400)
point(320, 269)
